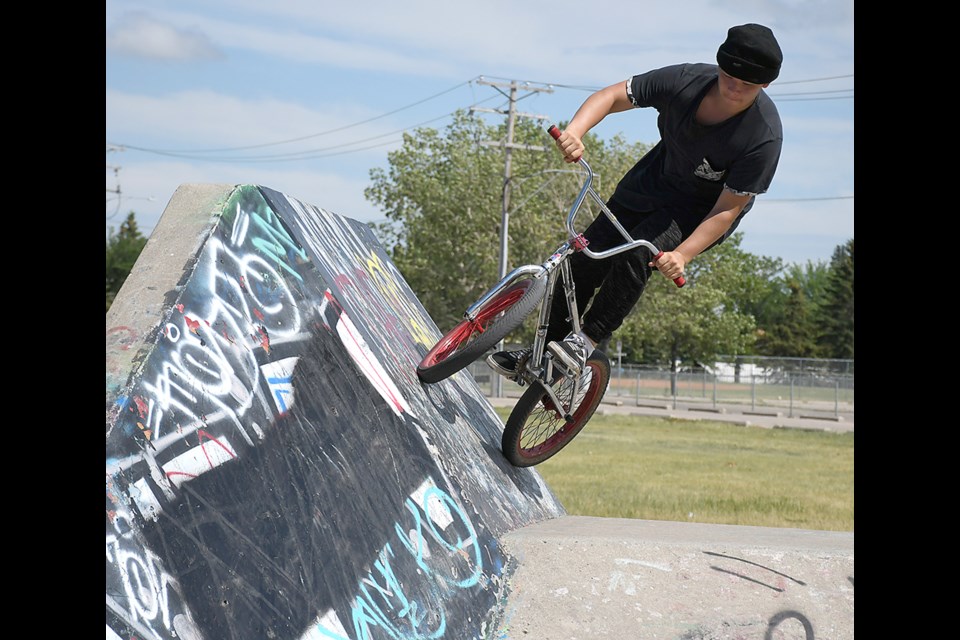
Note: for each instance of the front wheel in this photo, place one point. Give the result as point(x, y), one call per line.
point(536, 430)
point(470, 339)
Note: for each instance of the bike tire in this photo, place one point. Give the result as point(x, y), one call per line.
point(469, 340)
point(535, 432)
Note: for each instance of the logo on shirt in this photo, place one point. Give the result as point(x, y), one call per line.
point(707, 172)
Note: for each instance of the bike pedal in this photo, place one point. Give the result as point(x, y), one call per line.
point(571, 366)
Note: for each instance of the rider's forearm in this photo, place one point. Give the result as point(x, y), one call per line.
point(708, 232)
point(597, 107)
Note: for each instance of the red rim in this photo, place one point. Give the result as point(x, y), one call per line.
point(463, 333)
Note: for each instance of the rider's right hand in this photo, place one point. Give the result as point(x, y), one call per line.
point(570, 146)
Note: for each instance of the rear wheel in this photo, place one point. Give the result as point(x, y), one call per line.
point(537, 430)
point(469, 340)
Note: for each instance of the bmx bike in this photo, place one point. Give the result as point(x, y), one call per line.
point(558, 402)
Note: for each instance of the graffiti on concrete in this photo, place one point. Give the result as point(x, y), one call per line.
point(273, 469)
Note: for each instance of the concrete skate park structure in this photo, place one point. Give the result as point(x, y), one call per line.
point(276, 470)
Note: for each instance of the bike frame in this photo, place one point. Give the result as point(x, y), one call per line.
point(556, 266)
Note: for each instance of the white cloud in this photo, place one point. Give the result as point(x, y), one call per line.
point(152, 35)
point(560, 40)
point(140, 35)
point(294, 69)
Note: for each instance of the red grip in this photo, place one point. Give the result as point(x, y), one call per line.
point(679, 280)
point(553, 131)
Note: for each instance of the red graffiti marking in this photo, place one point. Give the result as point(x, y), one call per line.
point(192, 324)
point(336, 303)
point(141, 406)
point(170, 474)
point(179, 307)
point(357, 340)
point(264, 340)
point(229, 339)
point(205, 436)
point(243, 285)
point(259, 315)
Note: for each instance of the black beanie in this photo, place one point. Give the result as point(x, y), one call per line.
point(751, 53)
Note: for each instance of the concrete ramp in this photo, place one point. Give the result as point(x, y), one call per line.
point(275, 469)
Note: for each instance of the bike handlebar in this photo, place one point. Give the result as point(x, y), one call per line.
point(555, 133)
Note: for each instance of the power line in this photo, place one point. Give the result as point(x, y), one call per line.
point(810, 93)
point(302, 155)
point(850, 97)
point(311, 154)
point(296, 155)
point(807, 199)
point(782, 82)
point(327, 132)
point(595, 88)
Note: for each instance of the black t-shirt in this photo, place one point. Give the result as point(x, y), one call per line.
point(688, 168)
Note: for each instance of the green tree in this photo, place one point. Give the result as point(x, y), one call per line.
point(750, 282)
point(442, 196)
point(786, 327)
point(835, 313)
point(123, 249)
point(811, 277)
point(696, 323)
point(793, 336)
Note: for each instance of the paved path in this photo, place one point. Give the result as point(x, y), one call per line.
point(742, 415)
point(584, 578)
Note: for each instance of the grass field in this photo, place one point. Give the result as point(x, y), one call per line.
point(700, 471)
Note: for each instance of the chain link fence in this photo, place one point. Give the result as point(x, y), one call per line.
point(793, 387)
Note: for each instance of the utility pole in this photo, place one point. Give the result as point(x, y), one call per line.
point(508, 146)
point(116, 176)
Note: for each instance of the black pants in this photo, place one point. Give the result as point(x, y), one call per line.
point(614, 284)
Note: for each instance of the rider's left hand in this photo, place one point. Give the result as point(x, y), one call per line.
point(670, 264)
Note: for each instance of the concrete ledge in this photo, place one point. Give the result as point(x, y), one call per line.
point(708, 409)
point(774, 414)
point(831, 418)
point(654, 405)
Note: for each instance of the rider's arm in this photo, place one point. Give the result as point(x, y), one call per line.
point(594, 109)
point(714, 225)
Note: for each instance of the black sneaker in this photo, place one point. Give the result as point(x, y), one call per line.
point(571, 353)
point(508, 363)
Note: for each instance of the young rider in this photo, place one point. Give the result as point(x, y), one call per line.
point(720, 142)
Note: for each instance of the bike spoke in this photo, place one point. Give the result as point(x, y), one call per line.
point(546, 426)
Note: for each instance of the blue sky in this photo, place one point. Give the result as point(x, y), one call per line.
point(306, 97)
